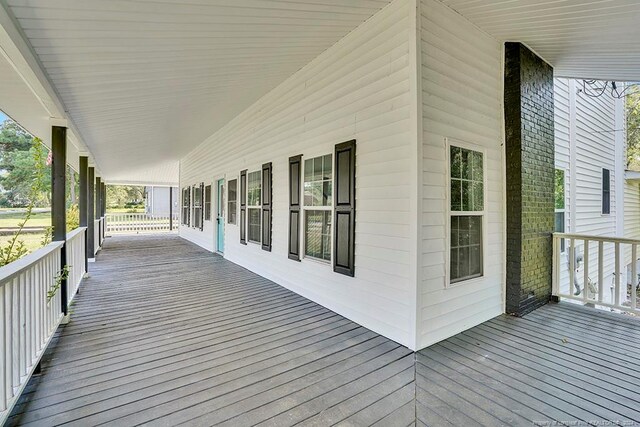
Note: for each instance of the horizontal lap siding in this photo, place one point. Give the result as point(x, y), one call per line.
point(358, 89)
point(462, 100)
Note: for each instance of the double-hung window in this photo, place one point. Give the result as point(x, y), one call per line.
point(197, 206)
point(317, 201)
point(559, 204)
point(466, 213)
point(207, 203)
point(254, 206)
point(232, 200)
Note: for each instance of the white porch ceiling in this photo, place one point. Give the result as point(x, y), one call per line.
point(591, 39)
point(145, 81)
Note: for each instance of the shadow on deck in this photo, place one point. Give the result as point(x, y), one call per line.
point(166, 333)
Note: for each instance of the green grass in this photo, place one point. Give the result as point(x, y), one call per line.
point(31, 241)
point(11, 220)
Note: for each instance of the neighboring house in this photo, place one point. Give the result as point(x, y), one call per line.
point(600, 197)
point(158, 199)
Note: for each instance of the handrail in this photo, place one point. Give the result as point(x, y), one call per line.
point(11, 270)
point(74, 232)
point(596, 238)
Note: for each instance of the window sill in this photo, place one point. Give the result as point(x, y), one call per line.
point(471, 280)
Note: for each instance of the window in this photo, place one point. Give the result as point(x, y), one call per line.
point(559, 204)
point(254, 206)
point(317, 192)
point(207, 203)
point(185, 206)
point(233, 201)
point(606, 192)
point(197, 207)
point(467, 213)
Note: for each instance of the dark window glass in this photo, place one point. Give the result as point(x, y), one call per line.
point(233, 201)
point(606, 192)
point(254, 225)
point(318, 234)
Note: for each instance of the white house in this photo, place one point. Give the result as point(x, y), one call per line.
point(160, 202)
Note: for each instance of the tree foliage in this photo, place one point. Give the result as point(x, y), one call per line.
point(121, 196)
point(633, 129)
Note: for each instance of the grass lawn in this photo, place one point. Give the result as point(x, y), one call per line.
point(11, 220)
point(31, 241)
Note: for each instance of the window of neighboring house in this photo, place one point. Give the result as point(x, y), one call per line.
point(197, 207)
point(207, 203)
point(254, 206)
point(233, 201)
point(467, 213)
point(185, 206)
point(317, 205)
point(606, 192)
point(560, 205)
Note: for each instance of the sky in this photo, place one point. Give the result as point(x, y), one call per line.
point(3, 117)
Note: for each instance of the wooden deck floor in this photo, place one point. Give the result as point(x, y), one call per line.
point(165, 333)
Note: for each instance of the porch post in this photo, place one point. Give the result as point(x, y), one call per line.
point(170, 208)
point(90, 215)
point(104, 209)
point(99, 209)
point(59, 200)
point(529, 149)
point(82, 203)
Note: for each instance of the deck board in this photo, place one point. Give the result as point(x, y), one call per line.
point(165, 333)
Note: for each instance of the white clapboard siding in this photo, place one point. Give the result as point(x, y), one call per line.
point(357, 89)
point(462, 99)
point(632, 210)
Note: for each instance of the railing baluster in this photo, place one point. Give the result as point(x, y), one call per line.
point(634, 275)
point(572, 266)
point(556, 267)
point(3, 350)
point(617, 273)
point(600, 271)
point(585, 267)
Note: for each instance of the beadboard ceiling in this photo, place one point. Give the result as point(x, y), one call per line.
point(145, 81)
point(594, 39)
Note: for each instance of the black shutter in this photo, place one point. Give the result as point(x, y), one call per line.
point(606, 192)
point(267, 204)
point(295, 178)
point(189, 206)
point(201, 206)
point(345, 208)
point(243, 207)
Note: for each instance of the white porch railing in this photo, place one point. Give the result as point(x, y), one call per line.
point(596, 270)
point(28, 319)
point(75, 260)
point(138, 223)
point(97, 239)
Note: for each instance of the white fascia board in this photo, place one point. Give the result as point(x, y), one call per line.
point(15, 48)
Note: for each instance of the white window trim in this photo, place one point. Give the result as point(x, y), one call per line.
point(259, 207)
point(474, 147)
point(305, 208)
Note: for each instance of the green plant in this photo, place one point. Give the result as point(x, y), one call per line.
point(73, 217)
point(63, 274)
point(14, 248)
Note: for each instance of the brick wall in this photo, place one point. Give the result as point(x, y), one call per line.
point(528, 97)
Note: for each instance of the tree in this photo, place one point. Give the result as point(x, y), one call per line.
point(633, 129)
point(18, 165)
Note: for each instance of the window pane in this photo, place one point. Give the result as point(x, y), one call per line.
point(559, 189)
point(253, 228)
point(456, 195)
point(477, 197)
point(318, 234)
point(559, 222)
point(456, 159)
point(317, 181)
point(466, 247)
point(254, 188)
point(467, 180)
point(327, 167)
point(477, 167)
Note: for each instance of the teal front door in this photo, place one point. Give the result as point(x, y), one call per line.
point(220, 217)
